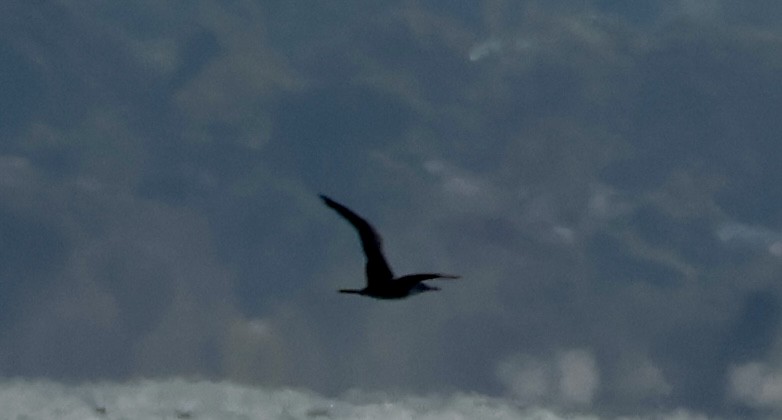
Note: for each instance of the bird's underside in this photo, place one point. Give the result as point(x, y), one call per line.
point(381, 283)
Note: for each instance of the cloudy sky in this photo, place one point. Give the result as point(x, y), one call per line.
point(604, 175)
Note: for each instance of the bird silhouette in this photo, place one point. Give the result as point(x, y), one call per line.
point(381, 283)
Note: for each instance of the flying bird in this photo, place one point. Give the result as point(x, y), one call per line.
point(381, 283)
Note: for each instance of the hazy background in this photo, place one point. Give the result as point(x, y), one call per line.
point(605, 175)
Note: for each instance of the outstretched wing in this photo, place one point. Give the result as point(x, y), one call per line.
point(411, 280)
point(377, 268)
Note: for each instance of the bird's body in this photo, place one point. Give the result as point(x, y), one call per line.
point(381, 283)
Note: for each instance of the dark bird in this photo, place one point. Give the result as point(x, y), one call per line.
point(381, 283)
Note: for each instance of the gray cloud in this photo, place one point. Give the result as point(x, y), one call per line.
point(604, 178)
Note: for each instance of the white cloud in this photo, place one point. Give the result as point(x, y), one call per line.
point(254, 348)
point(494, 47)
point(454, 181)
point(15, 171)
point(678, 414)
point(176, 398)
point(579, 376)
point(696, 9)
point(640, 378)
point(756, 385)
point(571, 377)
point(605, 204)
point(754, 236)
point(527, 379)
point(563, 234)
point(465, 190)
point(485, 49)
